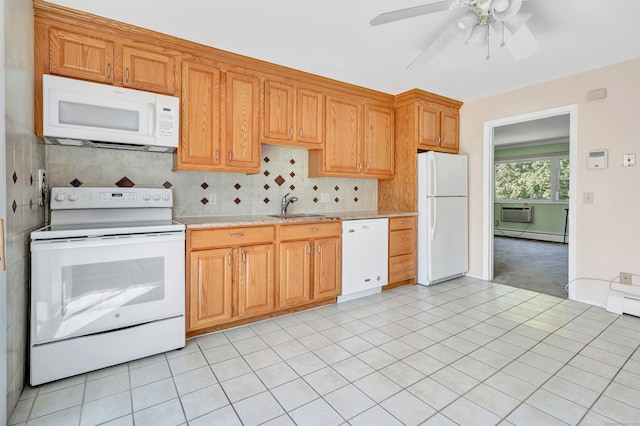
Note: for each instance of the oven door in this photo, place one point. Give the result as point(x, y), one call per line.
point(90, 285)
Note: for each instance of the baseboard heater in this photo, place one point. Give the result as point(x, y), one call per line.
point(516, 214)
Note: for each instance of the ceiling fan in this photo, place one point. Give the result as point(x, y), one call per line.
point(474, 22)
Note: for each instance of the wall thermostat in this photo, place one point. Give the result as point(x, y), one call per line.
point(597, 159)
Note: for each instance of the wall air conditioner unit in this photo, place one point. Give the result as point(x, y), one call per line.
point(516, 214)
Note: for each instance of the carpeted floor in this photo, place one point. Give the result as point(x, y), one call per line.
point(533, 265)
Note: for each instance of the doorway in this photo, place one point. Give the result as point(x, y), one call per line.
point(531, 204)
point(489, 216)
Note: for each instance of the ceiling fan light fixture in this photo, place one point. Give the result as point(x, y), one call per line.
point(478, 36)
point(512, 8)
point(461, 27)
point(500, 6)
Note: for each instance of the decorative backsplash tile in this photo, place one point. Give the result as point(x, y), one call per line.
point(284, 171)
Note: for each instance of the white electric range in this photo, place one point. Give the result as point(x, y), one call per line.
point(107, 280)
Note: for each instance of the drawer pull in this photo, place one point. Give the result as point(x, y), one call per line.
point(403, 222)
point(404, 239)
point(404, 264)
point(239, 234)
point(313, 229)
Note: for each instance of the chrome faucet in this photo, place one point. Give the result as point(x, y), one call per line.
point(285, 203)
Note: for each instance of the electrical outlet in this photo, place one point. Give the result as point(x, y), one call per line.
point(213, 198)
point(625, 278)
point(324, 197)
point(42, 187)
point(587, 198)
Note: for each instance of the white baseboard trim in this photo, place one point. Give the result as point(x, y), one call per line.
point(540, 236)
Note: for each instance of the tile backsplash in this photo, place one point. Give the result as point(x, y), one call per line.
point(283, 170)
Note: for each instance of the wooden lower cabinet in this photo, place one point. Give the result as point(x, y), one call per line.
point(210, 283)
point(310, 263)
point(402, 250)
point(255, 280)
point(230, 275)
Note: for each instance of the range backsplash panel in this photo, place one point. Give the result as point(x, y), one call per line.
point(283, 171)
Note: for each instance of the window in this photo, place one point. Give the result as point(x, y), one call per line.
point(533, 179)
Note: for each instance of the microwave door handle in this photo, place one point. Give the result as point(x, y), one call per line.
point(152, 119)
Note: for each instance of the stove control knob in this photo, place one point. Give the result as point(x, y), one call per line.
point(73, 197)
point(166, 197)
point(156, 197)
point(146, 197)
point(59, 196)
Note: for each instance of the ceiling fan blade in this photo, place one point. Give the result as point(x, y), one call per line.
point(432, 50)
point(522, 43)
point(424, 9)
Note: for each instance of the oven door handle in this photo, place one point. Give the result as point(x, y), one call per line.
point(42, 245)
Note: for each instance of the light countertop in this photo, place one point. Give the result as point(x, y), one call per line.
point(219, 221)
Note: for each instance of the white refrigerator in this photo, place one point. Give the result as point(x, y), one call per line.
point(442, 217)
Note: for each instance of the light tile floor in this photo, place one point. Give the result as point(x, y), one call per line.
point(463, 352)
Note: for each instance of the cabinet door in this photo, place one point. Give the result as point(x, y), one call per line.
point(200, 143)
point(295, 273)
point(309, 116)
point(278, 111)
point(343, 143)
point(449, 125)
point(242, 139)
point(150, 71)
point(378, 141)
point(210, 293)
point(327, 267)
point(428, 127)
point(80, 56)
point(256, 293)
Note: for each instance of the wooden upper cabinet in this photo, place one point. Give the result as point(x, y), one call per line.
point(220, 120)
point(359, 140)
point(278, 111)
point(146, 70)
point(343, 140)
point(449, 130)
point(80, 56)
point(242, 126)
point(291, 115)
point(201, 136)
point(378, 141)
point(437, 128)
point(96, 57)
point(309, 116)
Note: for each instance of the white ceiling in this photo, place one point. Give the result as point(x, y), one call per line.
point(535, 132)
point(333, 38)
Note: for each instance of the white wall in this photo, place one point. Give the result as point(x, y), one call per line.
point(607, 231)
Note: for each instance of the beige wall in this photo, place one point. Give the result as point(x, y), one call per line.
point(607, 231)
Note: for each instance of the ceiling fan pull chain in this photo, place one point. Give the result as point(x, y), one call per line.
point(488, 43)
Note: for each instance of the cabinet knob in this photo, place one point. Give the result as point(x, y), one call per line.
point(300, 132)
point(291, 131)
point(109, 71)
point(126, 75)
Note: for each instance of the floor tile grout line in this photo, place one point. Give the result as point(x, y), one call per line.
point(602, 393)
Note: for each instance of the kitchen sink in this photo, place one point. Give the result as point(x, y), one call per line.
point(296, 215)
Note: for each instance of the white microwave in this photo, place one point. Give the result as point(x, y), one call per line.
point(80, 113)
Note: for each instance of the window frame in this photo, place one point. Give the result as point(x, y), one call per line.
point(554, 190)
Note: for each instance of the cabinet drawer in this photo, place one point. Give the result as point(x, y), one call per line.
point(405, 222)
point(310, 230)
point(402, 242)
point(402, 267)
point(226, 237)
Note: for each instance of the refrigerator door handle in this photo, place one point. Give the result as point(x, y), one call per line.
point(434, 216)
point(432, 180)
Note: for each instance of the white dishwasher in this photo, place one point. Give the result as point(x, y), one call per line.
point(365, 255)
